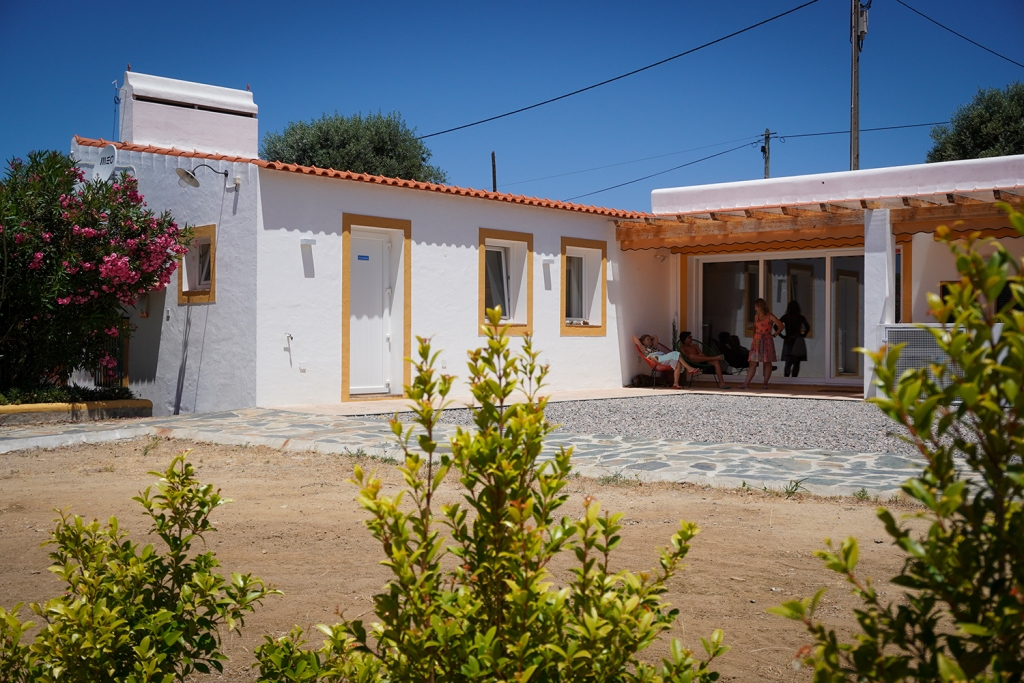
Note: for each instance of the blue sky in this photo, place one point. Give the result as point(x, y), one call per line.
point(445, 64)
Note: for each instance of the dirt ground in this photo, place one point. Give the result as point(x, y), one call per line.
point(295, 523)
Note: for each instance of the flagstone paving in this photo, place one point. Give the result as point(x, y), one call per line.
point(594, 455)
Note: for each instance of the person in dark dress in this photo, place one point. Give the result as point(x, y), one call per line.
point(794, 348)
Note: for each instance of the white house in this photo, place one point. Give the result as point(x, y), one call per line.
point(308, 285)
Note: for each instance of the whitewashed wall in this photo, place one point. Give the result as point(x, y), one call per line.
point(933, 263)
point(445, 284)
point(201, 357)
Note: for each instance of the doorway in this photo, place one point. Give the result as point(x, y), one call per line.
point(375, 306)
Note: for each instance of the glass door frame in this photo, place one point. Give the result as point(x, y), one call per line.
point(695, 295)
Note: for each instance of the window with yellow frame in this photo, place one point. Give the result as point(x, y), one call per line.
point(197, 270)
point(583, 292)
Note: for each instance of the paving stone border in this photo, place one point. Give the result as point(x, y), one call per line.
point(594, 455)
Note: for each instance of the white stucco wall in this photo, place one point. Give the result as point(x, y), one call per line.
point(200, 357)
point(934, 263)
point(166, 112)
point(444, 284)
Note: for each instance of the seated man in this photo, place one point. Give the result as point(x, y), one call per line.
point(649, 345)
point(693, 354)
point(735, 355)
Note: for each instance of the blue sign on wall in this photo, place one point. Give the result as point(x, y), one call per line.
point(363, 257)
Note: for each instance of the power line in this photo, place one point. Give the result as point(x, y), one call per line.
point(623, 163)
point(618, 78)
point(781, 137)
point(920, 13)
point(863, 130)
point(667, 170)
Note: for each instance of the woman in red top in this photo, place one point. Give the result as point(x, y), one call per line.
point(762, 349)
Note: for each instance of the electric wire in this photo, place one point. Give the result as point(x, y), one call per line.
point(920, 13)
point(782, 138)
point(620, 77)
point(667, 170)
point(631, 161)
point(862, 130)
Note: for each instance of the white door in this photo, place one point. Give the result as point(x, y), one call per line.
point(370, 309)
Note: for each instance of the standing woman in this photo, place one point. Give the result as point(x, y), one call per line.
point(794, 348)
point(762, 348)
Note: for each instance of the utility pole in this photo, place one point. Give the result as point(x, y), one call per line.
point(858, 29)
point(766, 152)
point(494, 173)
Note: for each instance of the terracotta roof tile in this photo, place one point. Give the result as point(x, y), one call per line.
point(373, 179)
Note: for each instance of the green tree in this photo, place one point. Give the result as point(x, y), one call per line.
point(483, 607)
point(990, 125)
point(375, 144)
point(131, 614)
point(961, 615)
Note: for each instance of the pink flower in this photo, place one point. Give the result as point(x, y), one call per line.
point(37, 261)
point(112, 331)
point(19, 238)
point(47, 236)
point(64, 302)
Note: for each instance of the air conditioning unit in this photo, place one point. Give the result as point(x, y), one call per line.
point(920, 350)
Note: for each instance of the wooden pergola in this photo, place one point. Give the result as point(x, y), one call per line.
point(817, 226)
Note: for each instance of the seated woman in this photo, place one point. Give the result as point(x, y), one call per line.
point(649, 345)
point(693, 354)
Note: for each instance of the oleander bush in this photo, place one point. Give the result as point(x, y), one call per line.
point(73, 255)
point(961, 615)
point(481, 604)
point(133, 614)
point(71, 393)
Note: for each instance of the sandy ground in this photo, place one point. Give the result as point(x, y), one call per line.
point(295, 523)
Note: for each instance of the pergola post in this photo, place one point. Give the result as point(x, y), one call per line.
point(879, 285)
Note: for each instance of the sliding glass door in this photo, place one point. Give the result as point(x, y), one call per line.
point(819, 294)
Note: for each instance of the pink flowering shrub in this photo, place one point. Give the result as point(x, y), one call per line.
point(73, 257)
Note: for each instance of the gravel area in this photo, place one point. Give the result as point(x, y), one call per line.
point(778, 422)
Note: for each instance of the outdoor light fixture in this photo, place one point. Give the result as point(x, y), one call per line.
point(188, 178)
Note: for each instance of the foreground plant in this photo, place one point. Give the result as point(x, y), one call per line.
point(133, 614)
point(494, 615)
point(962, 613)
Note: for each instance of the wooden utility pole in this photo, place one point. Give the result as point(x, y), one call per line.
point(766, 152)
point(858, 29)
point(494, 173)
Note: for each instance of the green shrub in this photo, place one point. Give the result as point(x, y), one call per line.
point(489, 612)
point(63, 394)
point(73, 256)
point(133, 614)
point(961, 616)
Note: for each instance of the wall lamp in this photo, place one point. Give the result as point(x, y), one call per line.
point(188, 178)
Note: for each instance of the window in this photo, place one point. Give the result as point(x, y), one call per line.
point(506, 278)
point(197, 272)
point(496, 285)
point(584, 272)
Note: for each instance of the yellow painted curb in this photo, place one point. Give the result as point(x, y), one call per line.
point(87, 406)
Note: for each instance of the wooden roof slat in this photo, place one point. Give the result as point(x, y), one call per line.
point(953, 198)
point(1004, 196)
point(835, 208)
point(918, 203)
point(726, 217)
point(798, 211)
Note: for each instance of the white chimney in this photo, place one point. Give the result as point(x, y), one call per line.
point(165, 112)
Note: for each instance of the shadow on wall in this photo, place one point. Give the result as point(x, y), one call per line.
point(144, 351)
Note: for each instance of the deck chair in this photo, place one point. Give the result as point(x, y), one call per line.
point(705, 368)
point(655, 366)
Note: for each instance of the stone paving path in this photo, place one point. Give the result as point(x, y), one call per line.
point(594, 455)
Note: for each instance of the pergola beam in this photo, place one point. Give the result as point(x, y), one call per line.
point(1004, 196)
point(797, 211)
point(918, 203)
point(953, 198)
